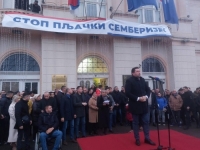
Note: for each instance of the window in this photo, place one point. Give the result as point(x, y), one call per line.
point(82, 83)
point(149, 14)
point(19, 62)
point(31, 86)
point(10, 86)
point(92, 8)
point(152, 65)
point(92, 65)
point(19, 4)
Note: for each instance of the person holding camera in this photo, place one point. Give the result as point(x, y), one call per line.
point(23, 121)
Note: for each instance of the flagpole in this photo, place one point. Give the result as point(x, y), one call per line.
point(111, 16)
point(100, 8)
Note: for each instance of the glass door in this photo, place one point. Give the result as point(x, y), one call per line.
point(31, 86)
point(10, 86)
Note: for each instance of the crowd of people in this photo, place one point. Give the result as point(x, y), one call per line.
point(87, 111)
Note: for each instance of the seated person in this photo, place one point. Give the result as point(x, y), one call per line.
point(48, 127)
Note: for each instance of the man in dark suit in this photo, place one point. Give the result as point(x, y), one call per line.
point(137, 91)
point(79, 111)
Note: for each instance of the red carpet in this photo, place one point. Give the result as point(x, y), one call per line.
point(126, 141)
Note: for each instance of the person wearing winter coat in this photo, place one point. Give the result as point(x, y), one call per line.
point(79, 111)
point(175, 103)
point(162, 104)
point(4, 116)
point(117, 108)
point(93, 114)
point(23, 121)
point(12, 138)
point(104, 104)
point(35, 113)
point(67, 115)
point(48, 125)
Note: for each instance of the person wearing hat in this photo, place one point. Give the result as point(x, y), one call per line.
point(23, 121)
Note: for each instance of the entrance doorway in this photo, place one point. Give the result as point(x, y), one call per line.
point(93, 70)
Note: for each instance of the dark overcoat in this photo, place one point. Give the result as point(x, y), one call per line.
point(137, 87)
point(103, 112)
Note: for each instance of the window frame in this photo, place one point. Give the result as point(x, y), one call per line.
point(143, 8)
point(161, 68)
point(97, 2)
point(18, 58)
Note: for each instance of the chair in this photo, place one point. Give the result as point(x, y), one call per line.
point(49, 141)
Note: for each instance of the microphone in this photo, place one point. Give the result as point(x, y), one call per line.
point(157, 79)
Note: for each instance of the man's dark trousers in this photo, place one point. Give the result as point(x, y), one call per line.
point(145, 124)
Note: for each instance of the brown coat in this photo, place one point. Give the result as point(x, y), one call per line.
point(93, 110)
point(175, 103)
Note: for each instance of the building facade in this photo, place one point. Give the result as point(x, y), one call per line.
point(42, 61)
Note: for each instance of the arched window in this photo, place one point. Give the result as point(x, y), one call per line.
point(92, 64)
point(152, 65)
point(20, 62)
point(87, 84)
point(82, 83)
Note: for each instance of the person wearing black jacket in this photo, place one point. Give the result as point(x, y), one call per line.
point(79, 109)
point(4, 116)
point(123, 103)
point(188, 106)
point(104, 105)
point(23, 121)
point(59, 97)
point(87, 98)
point(48, 128)
point(67, 115)
point(35, 7)
point(117, 108)
point(36, 111)
point(138, 92)
point(47, 100)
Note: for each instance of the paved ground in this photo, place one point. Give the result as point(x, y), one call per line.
point(193, 131)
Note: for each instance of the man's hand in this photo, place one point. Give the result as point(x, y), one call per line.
point(84, 103)
point(117, 104)
point(2, 116)
point(21, 127)
point(188, 108)
point(62, 119)
point(74, 116)
point(49, 130)
point(145, 98)
point(142, 99)
point(42, 111)
point(30, 122)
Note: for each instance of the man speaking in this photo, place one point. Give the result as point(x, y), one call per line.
point(137, 91)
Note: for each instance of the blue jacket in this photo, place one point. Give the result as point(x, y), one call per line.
point(162, 102)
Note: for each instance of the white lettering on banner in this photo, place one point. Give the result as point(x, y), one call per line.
point(113, 27)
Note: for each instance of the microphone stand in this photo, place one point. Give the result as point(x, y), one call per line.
point(160, 147)
point(168, 122)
